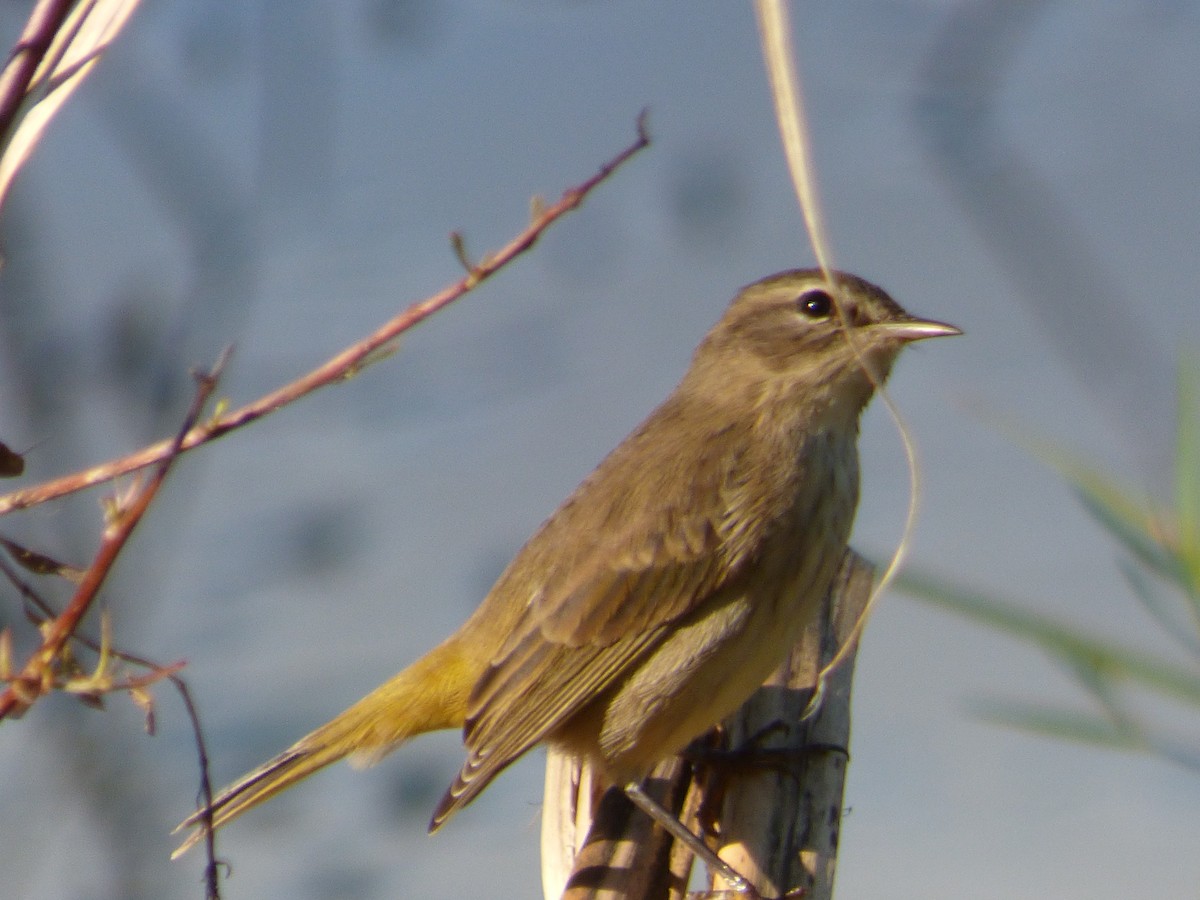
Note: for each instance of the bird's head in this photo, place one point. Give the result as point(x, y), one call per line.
point(796, 332)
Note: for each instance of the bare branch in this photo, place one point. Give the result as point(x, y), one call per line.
point(37, 677)
point(338, 367)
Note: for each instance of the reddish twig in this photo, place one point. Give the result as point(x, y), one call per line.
point(37, 676)
point(340, 366)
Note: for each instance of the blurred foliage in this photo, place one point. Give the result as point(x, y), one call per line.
point(1160, 545)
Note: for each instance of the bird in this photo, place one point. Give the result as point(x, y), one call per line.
point(674, 579)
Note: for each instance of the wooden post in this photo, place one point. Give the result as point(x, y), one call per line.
point(768, 794)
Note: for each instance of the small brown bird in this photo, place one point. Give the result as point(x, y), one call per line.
point(674, 579)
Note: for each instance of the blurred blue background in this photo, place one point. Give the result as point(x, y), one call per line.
point(283, 176)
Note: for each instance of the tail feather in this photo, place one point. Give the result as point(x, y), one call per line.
point(429, 695)
point(276, 774)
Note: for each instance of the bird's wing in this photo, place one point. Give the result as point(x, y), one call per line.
point(635, 563)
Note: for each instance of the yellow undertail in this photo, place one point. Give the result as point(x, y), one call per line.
point(429, 695)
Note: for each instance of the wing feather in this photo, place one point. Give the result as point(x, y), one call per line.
point(625, 556)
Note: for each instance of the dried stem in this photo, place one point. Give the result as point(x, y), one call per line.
point(44, 22)
point(771, 804)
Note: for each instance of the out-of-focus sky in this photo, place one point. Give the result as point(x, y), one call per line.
point(283, 176)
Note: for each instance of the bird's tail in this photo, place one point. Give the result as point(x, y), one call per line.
point(429, 695)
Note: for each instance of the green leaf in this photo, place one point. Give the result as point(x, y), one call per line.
point(1127, 517)
point(1133, 529)
point(1151, 594)
point(1085, 728)
point(1083, 653)
point(1063, 724)
point(1187, 470)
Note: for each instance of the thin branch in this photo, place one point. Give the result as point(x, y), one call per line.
point(37, 676)
point(211, 870)
point(338, 367)
point(39, 611)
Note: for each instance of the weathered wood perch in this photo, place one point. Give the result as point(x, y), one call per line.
point(766, 787)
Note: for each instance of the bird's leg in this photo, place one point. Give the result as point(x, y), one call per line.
point(737, 882)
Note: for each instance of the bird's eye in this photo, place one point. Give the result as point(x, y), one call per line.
point(815, 304)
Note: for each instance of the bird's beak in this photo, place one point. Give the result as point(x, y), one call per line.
point(916, 329)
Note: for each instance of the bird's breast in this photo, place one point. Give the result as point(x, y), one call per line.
point(708, 663)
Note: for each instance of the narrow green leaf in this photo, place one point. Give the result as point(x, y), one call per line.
point(1187, 469)
point(1096, 681)
point(1062, 724)
point(1085, 728)
point(1070, 645)
point(1128, 518)
point(1152, 595)
point(1134, 533)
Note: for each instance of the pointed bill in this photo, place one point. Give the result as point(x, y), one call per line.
point(916, 329)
